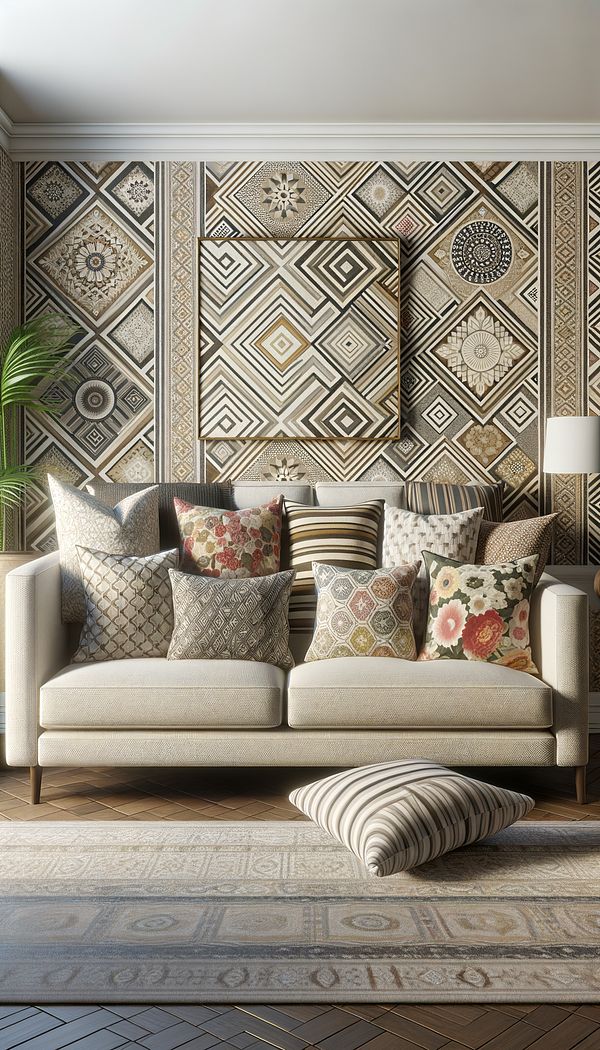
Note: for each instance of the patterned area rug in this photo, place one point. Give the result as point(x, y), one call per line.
point(248, 912)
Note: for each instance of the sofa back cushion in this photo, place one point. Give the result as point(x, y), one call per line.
point(195, 492)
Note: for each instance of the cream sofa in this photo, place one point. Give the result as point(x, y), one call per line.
point(331, 713)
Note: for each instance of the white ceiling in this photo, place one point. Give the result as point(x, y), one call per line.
point(291, 61)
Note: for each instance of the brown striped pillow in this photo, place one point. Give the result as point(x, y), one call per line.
point(343, 536)
point(434, 497)
point(396, 815)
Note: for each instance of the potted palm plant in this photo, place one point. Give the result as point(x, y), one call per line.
point(33, 356)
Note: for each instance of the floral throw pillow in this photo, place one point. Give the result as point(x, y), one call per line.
point(230, 543)
point(479, 612)
point(363, 612)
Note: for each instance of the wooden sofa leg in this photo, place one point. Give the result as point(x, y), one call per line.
point(580, 788)
point(35, 782)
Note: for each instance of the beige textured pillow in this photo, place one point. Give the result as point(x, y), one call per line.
point(407, 534)
point(82, 520)
point(509, 540)
point(129, 610)
point(363, 613)
point(397, 815)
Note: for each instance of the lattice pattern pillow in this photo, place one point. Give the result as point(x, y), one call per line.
point(129, 609)
point(342, 536)
point(479, 612)
point(397, 815)
point(230, 543)
point(407, 534)
point(507, 540)
point(82, 520)
point(222, 619)
point(363, 613)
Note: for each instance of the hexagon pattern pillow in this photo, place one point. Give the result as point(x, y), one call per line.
point(363, 613)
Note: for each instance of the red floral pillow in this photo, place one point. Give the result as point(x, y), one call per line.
point(479, 612)
point(231, 543)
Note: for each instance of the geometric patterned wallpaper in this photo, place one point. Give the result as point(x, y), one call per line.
point(9, 226)
point(89, 250)
point(500, 318)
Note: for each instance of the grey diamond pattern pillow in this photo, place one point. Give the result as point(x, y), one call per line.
point(129, 606)
point(225, 619)
point(82, 520)
point(407, 534)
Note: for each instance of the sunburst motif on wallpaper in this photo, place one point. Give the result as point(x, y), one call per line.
point(299, 338)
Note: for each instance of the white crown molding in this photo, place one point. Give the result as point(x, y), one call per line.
point(300, 141)
point(6, 130)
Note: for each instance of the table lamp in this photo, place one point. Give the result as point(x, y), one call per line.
point(572, 446)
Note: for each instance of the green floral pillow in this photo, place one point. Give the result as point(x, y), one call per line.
point(479, 612)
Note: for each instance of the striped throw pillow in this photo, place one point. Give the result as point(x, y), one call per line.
point(434, 497)
point(396, 815)
point(343, 536)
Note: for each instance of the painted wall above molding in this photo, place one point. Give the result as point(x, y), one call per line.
point(500, 318)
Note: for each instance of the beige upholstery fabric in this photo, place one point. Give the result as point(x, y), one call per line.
point(152, 692)
point(559, 640)
point(37, 645)
point(344, 494)
point(289, 747)
point(253, 493)
point(382, 692)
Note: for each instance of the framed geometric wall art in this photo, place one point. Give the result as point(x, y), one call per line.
point(299, 338)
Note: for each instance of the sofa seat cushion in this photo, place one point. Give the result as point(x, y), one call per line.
point(160, 693)
point(381, 692)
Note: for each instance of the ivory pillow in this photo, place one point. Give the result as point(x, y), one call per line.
point(82, 520)
point(397, 815)
point(407, 534)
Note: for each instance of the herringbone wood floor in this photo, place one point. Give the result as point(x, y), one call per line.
point(107, 794)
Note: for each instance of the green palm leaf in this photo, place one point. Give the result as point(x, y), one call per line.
point(13, 484)
point(34, 356)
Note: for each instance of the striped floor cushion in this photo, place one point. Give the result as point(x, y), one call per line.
point(397, 815)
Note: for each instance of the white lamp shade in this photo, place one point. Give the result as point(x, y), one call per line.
point(572, 445)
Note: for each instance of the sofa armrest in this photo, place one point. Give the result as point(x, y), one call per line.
point(560, 640)
point(37, 646)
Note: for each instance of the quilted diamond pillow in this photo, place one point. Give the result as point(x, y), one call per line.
point(82, 520)
point(396, 815)
point(129, 605)
point(407, 534)
point(230, 543)
point(231, 619)
point(479, 612)
point(363, 613)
